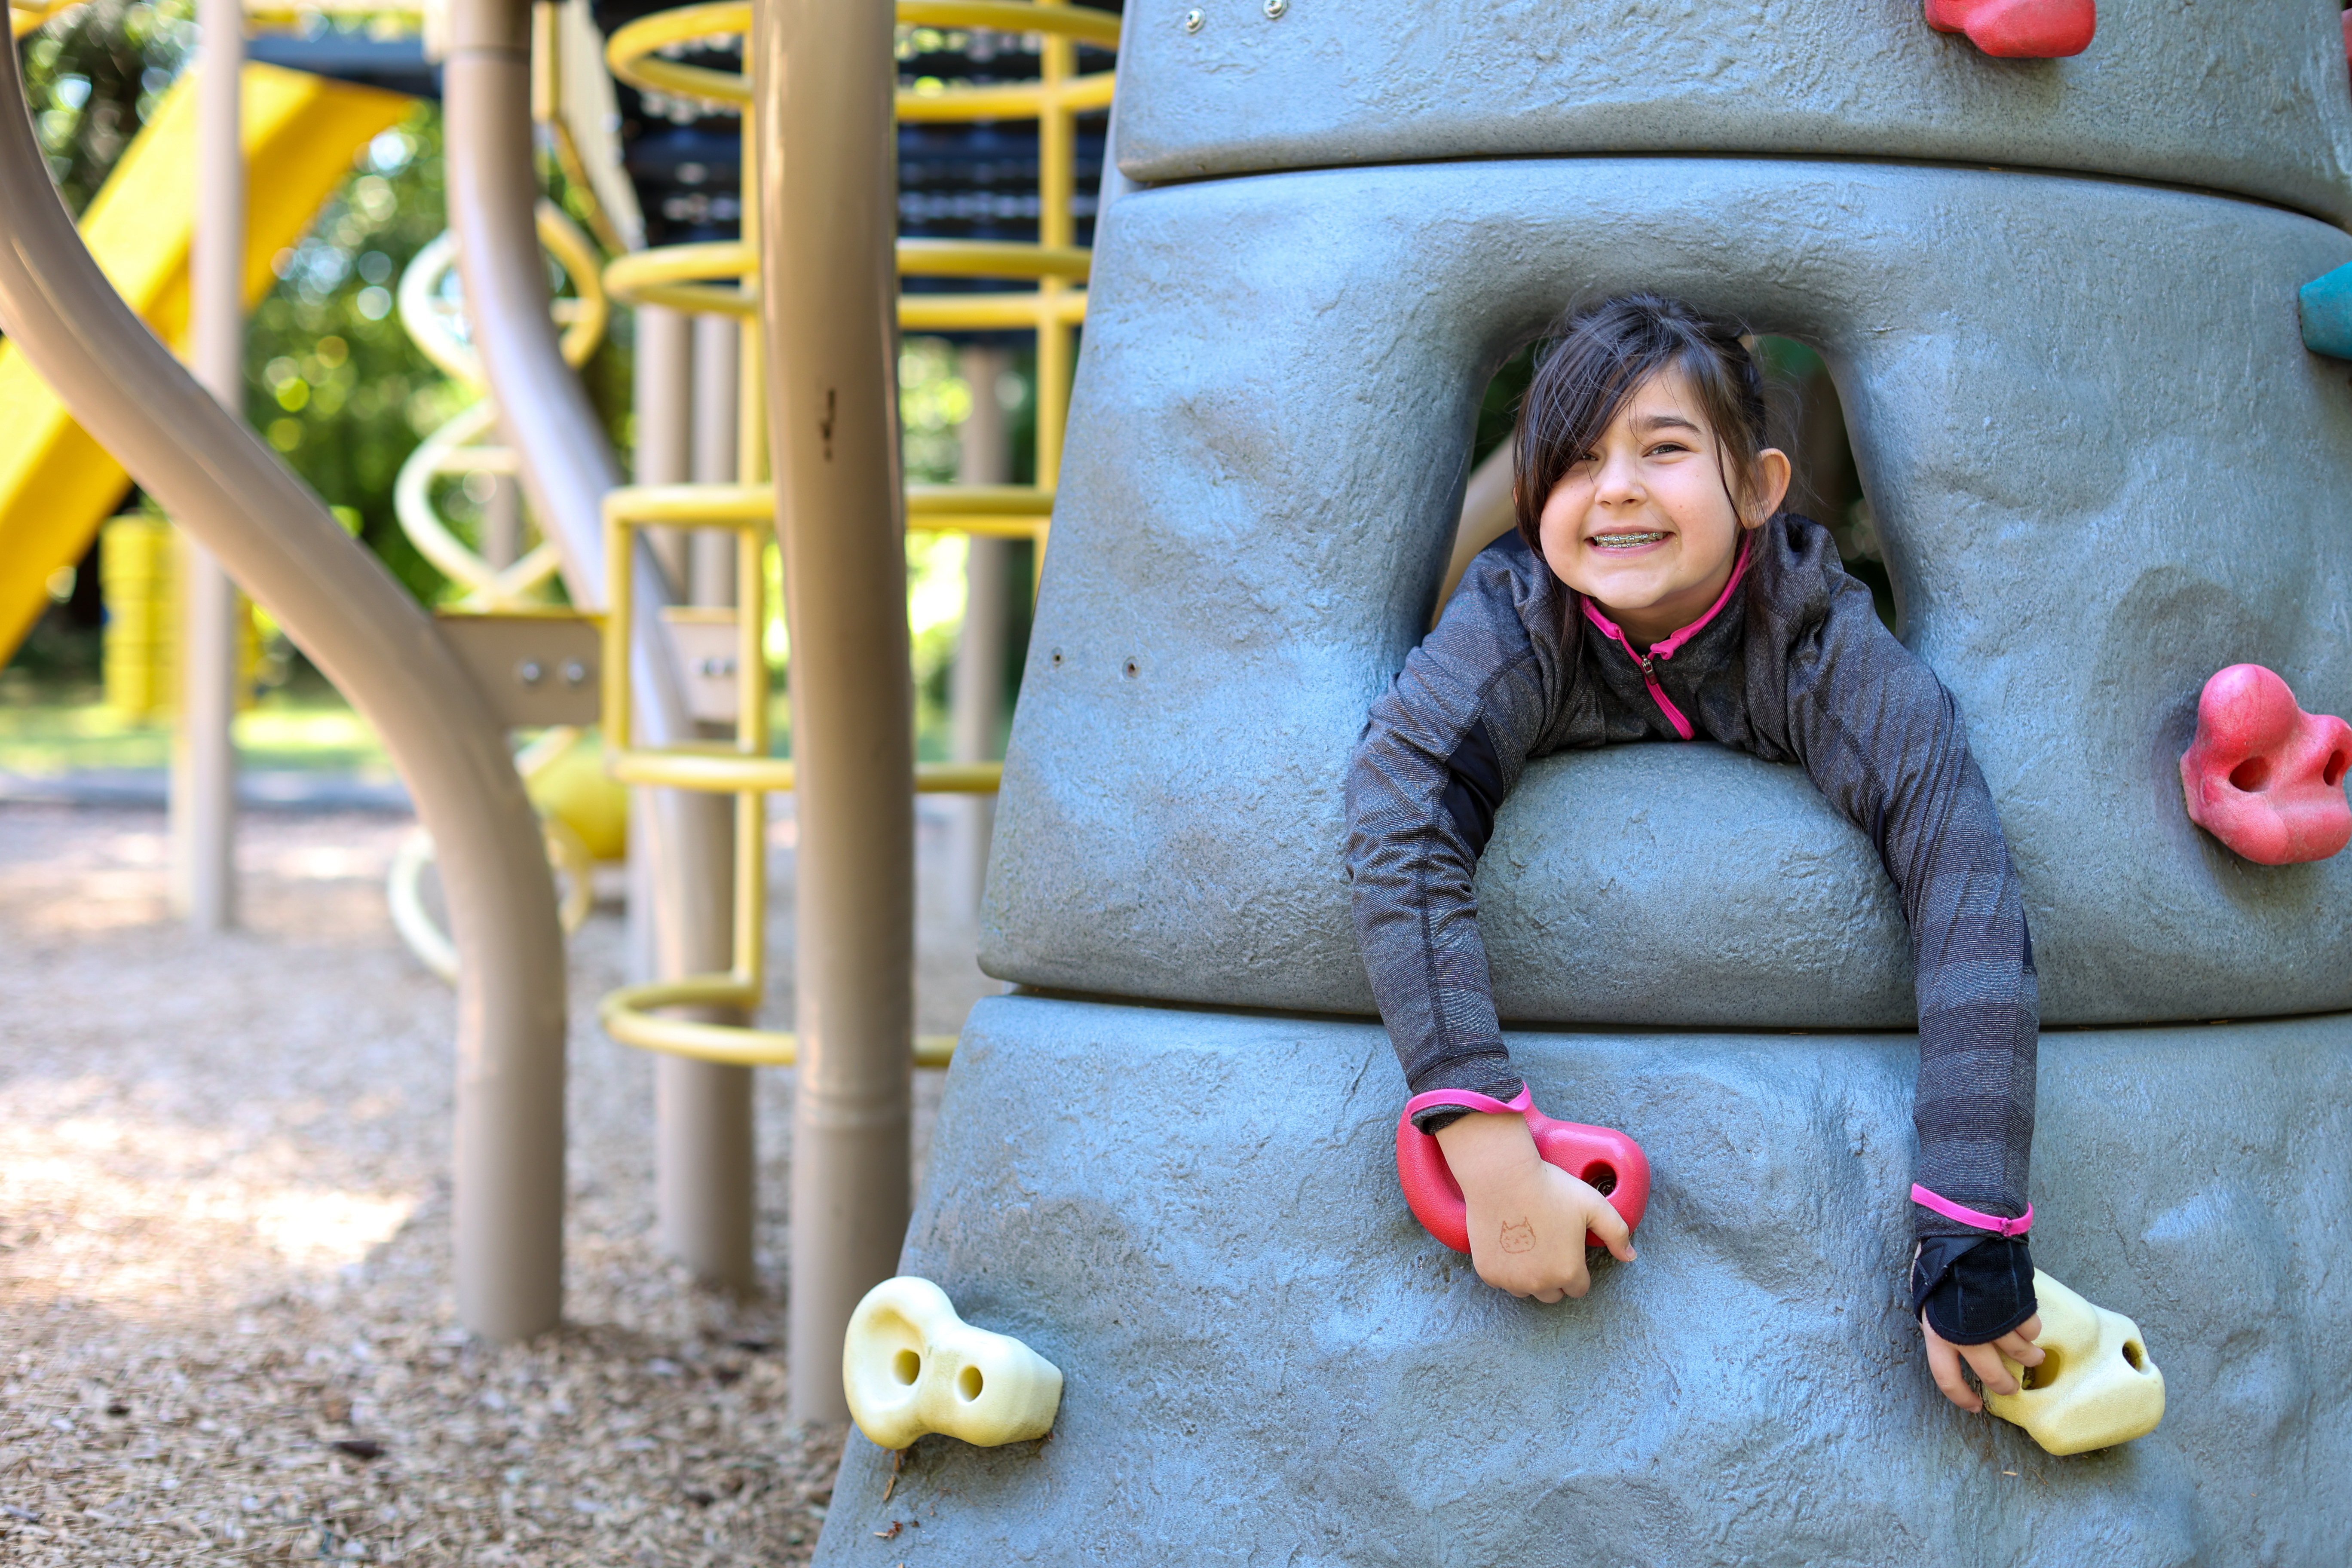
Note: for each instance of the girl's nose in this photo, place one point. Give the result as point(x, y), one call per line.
point(1619, 482)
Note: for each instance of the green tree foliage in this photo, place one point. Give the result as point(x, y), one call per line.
point(332, 381)
point(94, 75)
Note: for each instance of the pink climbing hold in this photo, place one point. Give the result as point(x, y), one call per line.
point(2020, 30)
point(1602, 1157)
point(2264, 776)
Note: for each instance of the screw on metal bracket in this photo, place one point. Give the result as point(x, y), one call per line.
point(1194, 18)
point(1275, 8)
point(530, 672)
point(574, 672)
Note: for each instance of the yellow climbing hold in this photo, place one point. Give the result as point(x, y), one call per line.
point(2096, 1385)
point(910, 1365)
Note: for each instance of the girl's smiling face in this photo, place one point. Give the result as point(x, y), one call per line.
point(1645, 524)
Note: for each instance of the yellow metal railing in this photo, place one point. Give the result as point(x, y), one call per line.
point(722, 279)
point(744, 769)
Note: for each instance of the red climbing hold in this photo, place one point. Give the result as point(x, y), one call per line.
point(2264, 776)
point(1602, 1157)
point(2019, 29)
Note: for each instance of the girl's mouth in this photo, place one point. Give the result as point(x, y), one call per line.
point(1625, 540)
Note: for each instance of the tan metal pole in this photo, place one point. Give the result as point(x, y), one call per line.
point(203, 750)
point(664, 391)
point(717, 372)
point(976, 699)
point(706, 1166)
point(567, 464)
point(824, 79)
point(364, 631)
point(662, 367)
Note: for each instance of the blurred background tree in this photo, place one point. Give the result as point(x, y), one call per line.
point(332, 381)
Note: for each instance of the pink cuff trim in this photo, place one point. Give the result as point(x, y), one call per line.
point(2011, 1228)
point(1464, 1099)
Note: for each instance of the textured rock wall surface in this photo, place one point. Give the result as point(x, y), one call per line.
point(2244, 96)
point(2104, 466)
point(1195, 1215)
point(2102, 460)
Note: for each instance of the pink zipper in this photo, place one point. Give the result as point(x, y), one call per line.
point(1665, 647)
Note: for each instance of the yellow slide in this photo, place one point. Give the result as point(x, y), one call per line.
point(300, 134)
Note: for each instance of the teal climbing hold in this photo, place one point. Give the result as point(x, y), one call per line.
point(2328, 313)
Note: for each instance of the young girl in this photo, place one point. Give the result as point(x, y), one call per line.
point(1654, 591)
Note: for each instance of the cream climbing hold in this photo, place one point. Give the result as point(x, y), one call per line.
point(2096, 1387)
point(910, 1365)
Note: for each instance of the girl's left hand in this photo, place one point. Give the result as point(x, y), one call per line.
point(1944, 1360)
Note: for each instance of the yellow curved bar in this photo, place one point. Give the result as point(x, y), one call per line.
point(632, 54)
point(624, 1013)
point(982, 527)
point(576, 254)
point(991, 258)
point(744, 506)
point(993, 511)
point(1086, 26)
point(979, 501)
point(696, 263)
point(680, 276)
point(987, 312)
point(687, 277)
point(917, 312)
point(713, 770)
point(691, 505)
point(1005, 101)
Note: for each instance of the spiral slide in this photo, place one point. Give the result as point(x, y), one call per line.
point(56, 483)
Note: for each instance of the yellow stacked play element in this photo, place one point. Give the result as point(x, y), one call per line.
point(300, 133)
point(139, 574)
point(575, 790)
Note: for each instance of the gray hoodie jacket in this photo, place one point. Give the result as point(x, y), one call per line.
point(1792, 665)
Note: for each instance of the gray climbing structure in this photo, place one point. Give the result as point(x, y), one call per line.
point(2060, 301)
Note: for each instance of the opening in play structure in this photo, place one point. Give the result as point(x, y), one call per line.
point(1809, 423)
point(969, 1384)
point(907, 1367)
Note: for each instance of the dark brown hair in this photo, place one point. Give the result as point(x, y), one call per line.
point(1598, 356)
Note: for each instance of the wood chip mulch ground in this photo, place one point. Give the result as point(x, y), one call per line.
point(227, 1327)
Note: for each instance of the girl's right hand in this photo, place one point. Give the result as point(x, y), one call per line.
point(1526, 1219)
